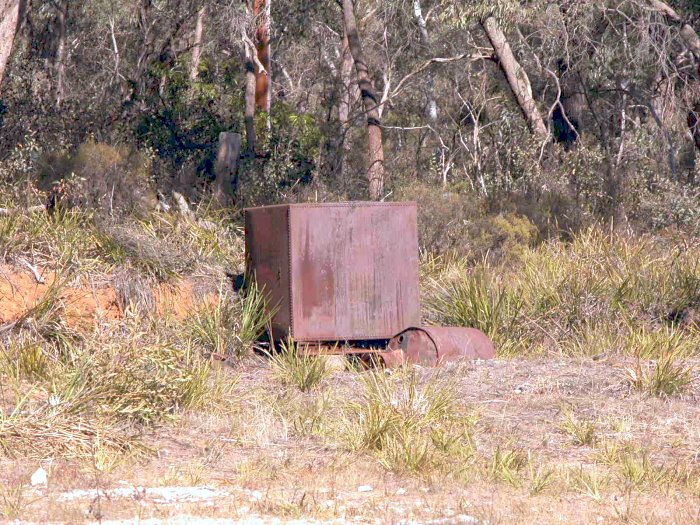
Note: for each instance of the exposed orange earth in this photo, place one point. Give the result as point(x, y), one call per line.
point(82, 305)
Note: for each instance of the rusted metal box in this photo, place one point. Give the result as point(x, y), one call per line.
point(336, 272)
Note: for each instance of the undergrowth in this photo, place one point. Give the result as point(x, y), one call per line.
point(93, 393)
point(600, 294)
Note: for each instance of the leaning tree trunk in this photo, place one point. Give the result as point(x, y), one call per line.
point(9, 19)
point(375, 172)
point(692, 42)
point(515, 75)
point(263, 86)
point(689, 35)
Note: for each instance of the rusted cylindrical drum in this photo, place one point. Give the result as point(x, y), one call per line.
point(433, 346)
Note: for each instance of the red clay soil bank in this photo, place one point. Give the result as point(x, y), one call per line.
point(19, 292)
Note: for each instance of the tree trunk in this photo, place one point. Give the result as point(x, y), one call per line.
point(375, 172)
point(226, 167)
point(689, 35)
point(350, 93)
point(9, 20)
point(515, 75)
point(263, 86)
point(61, 53)
point(197, 46)
point(692, 41)
point(250, 86)
point(431, 109)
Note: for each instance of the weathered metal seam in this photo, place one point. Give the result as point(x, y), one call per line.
point(430, 336)
point(352, 205)
point(347, 338)
point(289, 271)
point(337, 205)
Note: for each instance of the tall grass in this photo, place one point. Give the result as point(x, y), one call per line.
point(667, 376)
point(99, 390)
point(599, 294)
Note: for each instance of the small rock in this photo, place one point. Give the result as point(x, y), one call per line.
point(400, 492)
point(40, 477)
point(336, 363)
point(364, 488)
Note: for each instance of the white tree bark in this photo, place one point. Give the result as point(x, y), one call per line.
point(515, 75)
point(197, 46)
point(9, 18)
point(62, 53)
point(431, 109)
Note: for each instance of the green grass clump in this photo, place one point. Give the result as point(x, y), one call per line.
point(599, 294)
point(409, 424)
point(295, 367)
point(506, 464)
point(101, 389)
point(232, 324)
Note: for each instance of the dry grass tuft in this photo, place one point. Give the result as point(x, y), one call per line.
point(667, 376)
point(581, 431)
point(410, 424)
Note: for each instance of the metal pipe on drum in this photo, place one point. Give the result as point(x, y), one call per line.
point(434, 346)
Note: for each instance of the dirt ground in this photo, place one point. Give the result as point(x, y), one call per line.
point(228, 469)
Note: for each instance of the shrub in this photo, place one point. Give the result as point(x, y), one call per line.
point(451, 221)
point(110, 179)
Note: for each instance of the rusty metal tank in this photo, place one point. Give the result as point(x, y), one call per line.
point(434, 346)
point(336, 271)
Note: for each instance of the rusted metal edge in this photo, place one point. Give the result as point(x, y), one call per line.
point(289, 271)
point(370, 337)
point(347, 204)
point(319, 350)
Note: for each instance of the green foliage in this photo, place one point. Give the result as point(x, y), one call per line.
point(292, 142)
point(452, 222)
